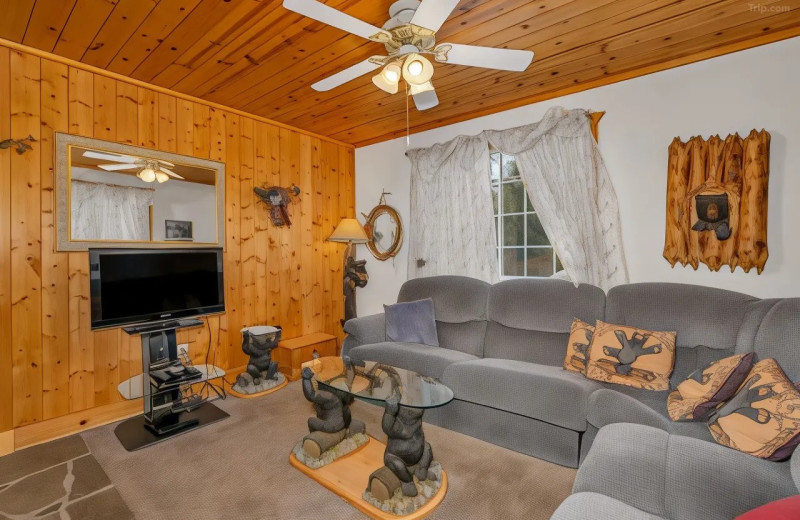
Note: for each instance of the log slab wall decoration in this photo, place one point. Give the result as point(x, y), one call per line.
point(717, 202)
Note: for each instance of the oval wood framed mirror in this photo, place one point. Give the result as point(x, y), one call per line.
point(385, 231)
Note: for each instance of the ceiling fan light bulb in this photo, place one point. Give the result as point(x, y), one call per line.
point(415, 68)
point(391, 73)
point(162, 177)
point(382, 83)
point(147, 175)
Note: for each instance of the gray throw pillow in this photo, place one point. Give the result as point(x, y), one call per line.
point(411, 322)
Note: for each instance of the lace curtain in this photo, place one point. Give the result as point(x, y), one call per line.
point(452, 217)
point(565, 178)
point(107, 212)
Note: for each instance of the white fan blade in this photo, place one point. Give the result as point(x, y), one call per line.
point(114, 167)
point(165, 163)
point(426, 100)
point(486, 57)
point(171, 173)
point(109, 157)
point(431, 14)
point(343, 76)
point(328, 15)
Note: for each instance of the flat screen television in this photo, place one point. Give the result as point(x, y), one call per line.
point(140, 285)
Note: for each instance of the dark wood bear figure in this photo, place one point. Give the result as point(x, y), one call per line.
point(259, 348)
point(407, 453)
point(333, 411)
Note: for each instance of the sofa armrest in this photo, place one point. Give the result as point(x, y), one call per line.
point(364, 330)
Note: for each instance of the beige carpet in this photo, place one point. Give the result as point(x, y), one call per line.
point(239, 468)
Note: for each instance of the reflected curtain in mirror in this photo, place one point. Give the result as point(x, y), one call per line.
point(110, 212)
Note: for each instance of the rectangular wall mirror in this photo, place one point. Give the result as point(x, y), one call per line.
point(127, 196)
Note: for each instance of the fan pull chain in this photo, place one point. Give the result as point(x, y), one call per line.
point(408, 133)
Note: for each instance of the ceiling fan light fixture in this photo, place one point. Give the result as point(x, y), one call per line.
point(147, 175)
point(388, 79)
point(417, 70)
point(161, 177)
point(391, 73)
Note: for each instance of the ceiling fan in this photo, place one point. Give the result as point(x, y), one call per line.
point(408, 35)
point(150, 170)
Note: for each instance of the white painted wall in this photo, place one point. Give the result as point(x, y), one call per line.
point(757, 88)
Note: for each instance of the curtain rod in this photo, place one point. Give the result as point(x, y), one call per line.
point(113, 185)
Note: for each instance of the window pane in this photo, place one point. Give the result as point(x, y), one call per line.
point(513, 262)
point(536, 234)
point(513, 194)
point(510, 170)
point(495, 166)
point(513, 232)
point(496, 229)
point(559, 267)
point(540, 261)
point(495, 192)
point(528, 203)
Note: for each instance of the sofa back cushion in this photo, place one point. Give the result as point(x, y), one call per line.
point(530, 319)
point(779, 336)
point(711, 323)
point(459, 304)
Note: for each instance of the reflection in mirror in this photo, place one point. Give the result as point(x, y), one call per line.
point(118, 193)
point(384, 232)
point(138, 197)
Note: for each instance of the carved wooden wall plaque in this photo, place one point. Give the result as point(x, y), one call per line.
point(717, 202)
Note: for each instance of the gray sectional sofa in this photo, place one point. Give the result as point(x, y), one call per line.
point(501, 352)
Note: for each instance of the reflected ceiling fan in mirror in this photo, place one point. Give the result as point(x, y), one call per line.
point(409, 34)
point(150, 170)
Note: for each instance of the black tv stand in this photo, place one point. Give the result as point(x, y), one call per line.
point(166, 412)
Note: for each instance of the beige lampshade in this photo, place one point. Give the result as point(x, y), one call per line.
point(349, 230)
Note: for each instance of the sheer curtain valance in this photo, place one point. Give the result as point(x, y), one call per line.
point(565, 178)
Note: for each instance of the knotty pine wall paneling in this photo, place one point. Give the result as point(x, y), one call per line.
point(51, 363)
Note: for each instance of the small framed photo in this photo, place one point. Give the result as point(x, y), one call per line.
point(178, 230)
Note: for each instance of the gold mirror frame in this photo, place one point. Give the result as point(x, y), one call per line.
point(369, 227)
point(63, 145)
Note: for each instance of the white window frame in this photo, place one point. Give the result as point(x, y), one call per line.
point(500, 229)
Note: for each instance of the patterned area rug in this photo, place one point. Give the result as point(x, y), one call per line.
point(60, 480)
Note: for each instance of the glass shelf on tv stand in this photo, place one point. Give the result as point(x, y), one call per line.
point(133, 388)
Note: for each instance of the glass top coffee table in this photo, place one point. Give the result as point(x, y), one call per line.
point(404, 395)
point(377, 382)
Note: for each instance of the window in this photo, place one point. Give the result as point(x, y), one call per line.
point(523, 247)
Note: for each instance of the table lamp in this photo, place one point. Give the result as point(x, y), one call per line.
point(350, 232)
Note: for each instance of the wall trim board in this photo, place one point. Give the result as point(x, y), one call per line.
point(6, 442)
point(162, 90)
point(76, 422)
point(608, 80)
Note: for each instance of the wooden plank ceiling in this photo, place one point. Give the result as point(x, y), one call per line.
point(256, 56)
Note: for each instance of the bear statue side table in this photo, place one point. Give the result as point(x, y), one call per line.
point(261, 375)
point(400, 479)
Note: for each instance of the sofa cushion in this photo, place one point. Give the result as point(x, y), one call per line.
point(705, 389)
point(763, 418)
point(679, 477)
point(422, 359)
point(622, 404)
point(530, 319)
point(701, 315)
point(459, 304)
point(547, 393)
point(629, 356)
point(411, 322)
point(582, 506)
point(778, 336)
point(580, 338)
